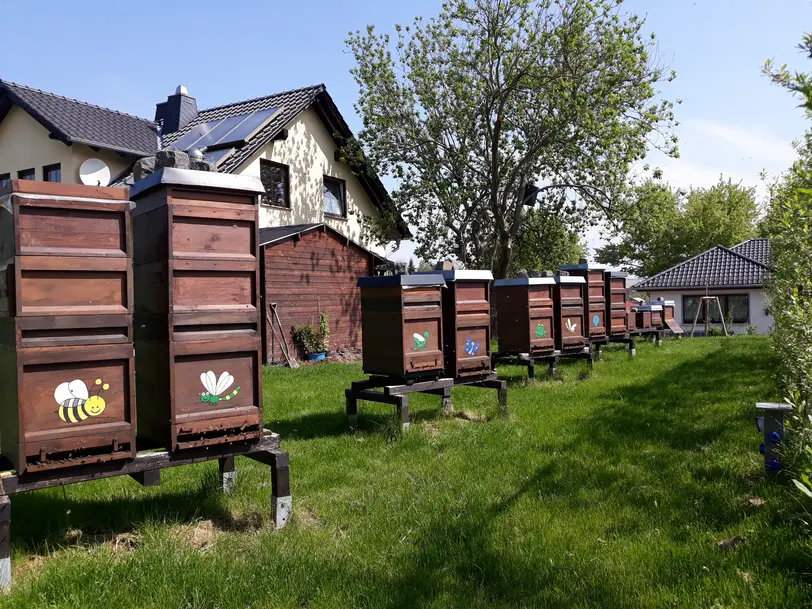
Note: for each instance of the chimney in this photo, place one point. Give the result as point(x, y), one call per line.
point(177, 111)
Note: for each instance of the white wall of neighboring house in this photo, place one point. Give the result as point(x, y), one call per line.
point(309, 151)
point(757, 301)
point(25, 144)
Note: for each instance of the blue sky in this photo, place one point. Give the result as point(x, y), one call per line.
point(112, 54)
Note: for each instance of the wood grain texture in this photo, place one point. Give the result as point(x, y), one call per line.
point(316, 273)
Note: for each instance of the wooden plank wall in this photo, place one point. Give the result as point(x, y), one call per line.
point(315, 273)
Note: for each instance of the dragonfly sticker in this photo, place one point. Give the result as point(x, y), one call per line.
point(571, 326)
point(420, 342)
point(471, 347)
point(214, 387)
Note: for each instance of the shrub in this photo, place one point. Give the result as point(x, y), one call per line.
point(313, 340)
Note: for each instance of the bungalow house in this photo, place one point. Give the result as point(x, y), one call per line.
point(736, 275)
point(314, 237)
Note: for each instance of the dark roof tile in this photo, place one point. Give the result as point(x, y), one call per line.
point(719, 267)
point(83, 123)
point(755, 249)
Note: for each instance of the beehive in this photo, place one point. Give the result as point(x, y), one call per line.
point(66, 301)
point(467, 322)
point(569, 297)
point(615, 290)
point(402, 325)
point(524, 315)
point(668, 317)
point(596, 295)
point(657, 319)
point(197, 309)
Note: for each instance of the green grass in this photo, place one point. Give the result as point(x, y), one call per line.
point(611, 491)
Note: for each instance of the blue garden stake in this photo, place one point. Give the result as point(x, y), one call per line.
point(771, 424)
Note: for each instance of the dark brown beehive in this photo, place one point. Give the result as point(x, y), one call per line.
point(524, 315)
point(467, 322)
point(569, 297)
point(643, 314)
point(616, 317)
point(657, 319)
point(595, 293)
point(197, 311)
point(66, 355)
point(402, 325)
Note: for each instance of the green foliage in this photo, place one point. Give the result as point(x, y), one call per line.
point(465, 109)
point(312, 339)
point(660, 227)
point(410, 269)
point(544, 242)
point(789, 225)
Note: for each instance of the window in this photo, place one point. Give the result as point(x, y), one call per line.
point(735, 305)
point(276, 180)
point(26, 174)
point(5, 179)
point(52, 173)
point(335, 197)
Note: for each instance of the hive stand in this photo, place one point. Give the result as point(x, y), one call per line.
point(387, 390)
point(630, 340)
point(146, 468)
point(551, 359)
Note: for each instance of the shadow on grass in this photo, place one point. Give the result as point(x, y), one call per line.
point(44, 520)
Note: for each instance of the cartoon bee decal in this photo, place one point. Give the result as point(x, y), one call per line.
point(214, 387)
point(75, 402)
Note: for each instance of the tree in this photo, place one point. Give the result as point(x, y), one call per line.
point(725, 214)
point(465, 109)
point(410, 268)
point(661, 227)
point(544, 242)
point(646, 239)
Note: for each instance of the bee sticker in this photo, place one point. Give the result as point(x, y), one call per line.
point(75, 402)
point(420, 342)
point(571, 326)
point(541, 331)
point(471, 347)
point(214, 387)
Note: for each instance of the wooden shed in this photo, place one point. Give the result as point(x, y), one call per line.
point(309, 269)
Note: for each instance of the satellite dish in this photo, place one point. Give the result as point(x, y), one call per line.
point(94, 172)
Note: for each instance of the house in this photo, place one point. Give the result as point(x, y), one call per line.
point(292, 141)
point(48, 137)
point(736, 275)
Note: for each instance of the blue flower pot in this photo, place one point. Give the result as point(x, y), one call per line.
point(316, 356)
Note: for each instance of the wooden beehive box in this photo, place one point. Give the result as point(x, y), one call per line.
point(569, 298)
point(643, 315)
point(669, 316)
point(593, 274)
point(66, 355)
point(524, 315)
point(615, 290)
point(402, 325)
point(656, 309)
point(197, 309)
point(467, 322)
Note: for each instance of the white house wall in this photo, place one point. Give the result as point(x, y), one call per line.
point(309, 151)
point(25, 144)
point(757, 299)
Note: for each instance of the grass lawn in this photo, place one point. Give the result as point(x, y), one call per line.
point(611, 491)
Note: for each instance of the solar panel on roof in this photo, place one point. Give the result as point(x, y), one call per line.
point(248, 127)
point(195, 133)
point(218, 155)
point(220, 131)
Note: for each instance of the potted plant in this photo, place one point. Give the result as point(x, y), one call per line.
point(314, 341)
